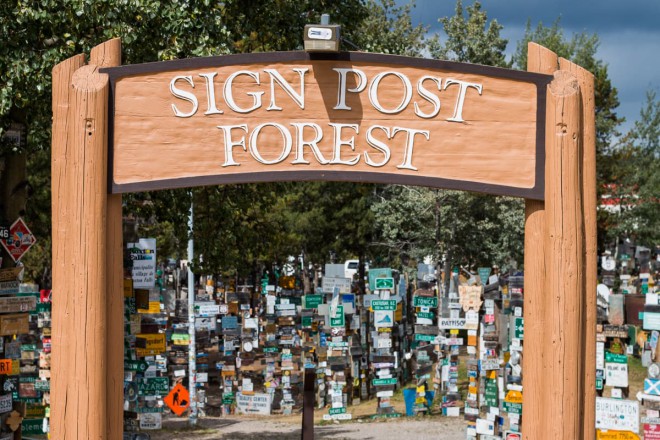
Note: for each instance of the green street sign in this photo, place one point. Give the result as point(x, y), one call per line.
point(425, 301)
point(491, 393)
point(616, 358)
point(429, 315)
point(306, 321)
point(383, 304)
point(228, 398)
point(599, 383)
point(32, 426)
point(374, 274)
point(513, 408)
point(313, 301)
point(519, 328)
point(390, 381)
point(384, 283)
point(271, 350)
point(340, 320)
point(334, 411)
point(139, 366)
point(429, 338)
point(155, 386)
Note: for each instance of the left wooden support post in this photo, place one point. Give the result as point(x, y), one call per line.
point(86, 381)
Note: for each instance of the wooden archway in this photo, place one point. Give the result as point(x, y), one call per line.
point(560, 232)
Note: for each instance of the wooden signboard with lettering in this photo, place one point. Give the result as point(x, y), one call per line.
point(349, 116)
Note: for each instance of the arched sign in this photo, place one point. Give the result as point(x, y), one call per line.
point(349, 116)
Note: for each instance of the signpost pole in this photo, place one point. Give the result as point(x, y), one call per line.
point(79, 206)
point(108, 54)
point(192, 353)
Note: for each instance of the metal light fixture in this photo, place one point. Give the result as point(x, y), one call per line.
point(322, 37)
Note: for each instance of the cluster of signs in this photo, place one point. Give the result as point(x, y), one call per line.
point(482, 316)
point(25, 346)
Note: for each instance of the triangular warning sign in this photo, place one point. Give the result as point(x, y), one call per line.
point(178, 399)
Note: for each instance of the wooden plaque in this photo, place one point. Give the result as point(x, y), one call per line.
point(344, 117)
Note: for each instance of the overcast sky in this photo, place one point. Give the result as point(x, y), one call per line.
point(629, 32)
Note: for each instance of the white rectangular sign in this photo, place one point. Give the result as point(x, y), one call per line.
point(328, 284)
point(5, 403)
point(143, 257)
point(449, 323)
point(617, 414)
point(616, 375)
point(253, 404)
point(151, 421)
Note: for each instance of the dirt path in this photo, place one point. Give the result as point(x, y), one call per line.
point(245, 428)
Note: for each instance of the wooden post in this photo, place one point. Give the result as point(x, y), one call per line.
point(589, 200)
point(79, 194)
point(539, 60)
point(108, 54)
point(564, 263)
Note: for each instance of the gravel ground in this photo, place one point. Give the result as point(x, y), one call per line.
point(241, 428)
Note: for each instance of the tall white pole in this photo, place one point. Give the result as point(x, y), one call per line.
point(192, 353)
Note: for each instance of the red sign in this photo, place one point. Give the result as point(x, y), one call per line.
point(651, 432)
point(20, 239)
point(178, 399)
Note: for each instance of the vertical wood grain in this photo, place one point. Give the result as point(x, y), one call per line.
point(108, 54)
point(589, 200)
point(539, 60)
point(564, 261)
point(80, 97)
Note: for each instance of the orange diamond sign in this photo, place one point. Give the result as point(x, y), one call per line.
point(178, 399)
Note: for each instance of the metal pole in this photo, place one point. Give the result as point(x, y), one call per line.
point(192, 353)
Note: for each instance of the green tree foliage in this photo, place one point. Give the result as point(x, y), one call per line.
point(471, 38)
point(469, 229)
point(636, 192)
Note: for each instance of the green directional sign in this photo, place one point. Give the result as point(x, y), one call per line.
point(599, 383)
point(429, 338)
point(271, 349)
point(335, 411)
point(313, 301)
point(139, 366)
point(616, 358)
point(374, 274)
point(154, 386)
point(425, 301)
point(306, 321)
point(513, 408)
point(339, 320)
point(519, 328)
point(384, 283)
point(389, 381)
point(383, 304)
point(491, 392)
point(427, 315)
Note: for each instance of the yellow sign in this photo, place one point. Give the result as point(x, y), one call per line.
point(616, 435)
point(398, 313)
point(128, 287)
point(155, 344)
point(514, 397)
point(154, 307)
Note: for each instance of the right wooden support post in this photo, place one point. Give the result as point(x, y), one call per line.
point(560, 257)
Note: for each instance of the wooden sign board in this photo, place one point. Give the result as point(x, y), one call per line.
point(13, 304)
point(344, 117)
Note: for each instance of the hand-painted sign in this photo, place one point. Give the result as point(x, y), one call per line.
point(407, 121)
point(617, 414)
point(19, 241)
point(18, 304)
point(617, 435)
point(616, 374)
point(178, 400)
